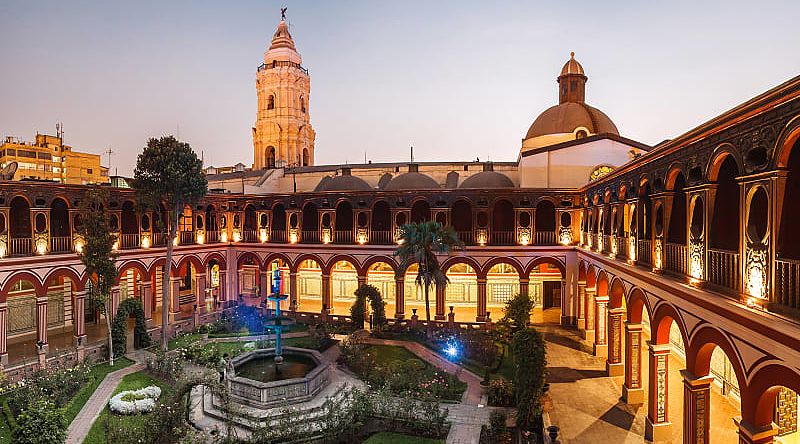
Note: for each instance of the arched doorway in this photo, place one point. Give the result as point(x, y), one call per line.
point(502, 284)
point(310, 224)
point(309, 286)
point(787, 271)
point(381, 276)
point(20, 227)
point(250, 229)
point(420, 211)
point(343, 233)
point(278, 223)
point(344, 283)
point(461, 293)
point(643, 230)
point(462, 221)
point(503, 223)
point(60, 235)
point(545, 223)
point(381, 223)
point(545, 288)
point(724, 238)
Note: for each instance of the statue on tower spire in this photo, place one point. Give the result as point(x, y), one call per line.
point(283, 13)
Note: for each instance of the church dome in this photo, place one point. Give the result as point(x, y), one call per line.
point(342, 183)
point(487, 179)
point(412, 181)
point(572, 66)
point(567, 117)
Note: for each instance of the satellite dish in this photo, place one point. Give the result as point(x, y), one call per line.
point(7, 173)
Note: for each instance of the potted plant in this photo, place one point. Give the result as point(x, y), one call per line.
point(203, 330)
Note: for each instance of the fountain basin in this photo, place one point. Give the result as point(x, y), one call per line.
point(251, 378)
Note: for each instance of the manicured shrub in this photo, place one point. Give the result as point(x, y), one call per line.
point(528, 351)
point(40, 423)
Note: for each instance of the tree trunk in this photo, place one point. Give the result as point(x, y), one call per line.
point(109, 301)
point(166, 285)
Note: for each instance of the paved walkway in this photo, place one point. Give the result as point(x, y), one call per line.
point(465, 418)
point(82, 423)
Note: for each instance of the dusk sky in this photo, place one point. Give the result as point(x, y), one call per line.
point(457, 80)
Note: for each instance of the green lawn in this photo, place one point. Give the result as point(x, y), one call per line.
point(134, 381)
point(96, 375)
point(385, 354)
point(396, 438)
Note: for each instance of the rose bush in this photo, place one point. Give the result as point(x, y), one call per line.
point(131, 402)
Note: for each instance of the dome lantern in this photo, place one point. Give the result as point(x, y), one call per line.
point(572, 82)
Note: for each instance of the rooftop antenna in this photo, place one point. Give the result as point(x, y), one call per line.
point(109, 151)
point(365, 157)
point(412, 153)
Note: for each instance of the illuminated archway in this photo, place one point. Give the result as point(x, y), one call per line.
point(309, 286)
point(381, 276)
point(344, 283)
point(461, 292)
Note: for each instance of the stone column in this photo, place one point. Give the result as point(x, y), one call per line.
point(293, 291)
point(632, 391)
point(524, 284)
point(3, 334)
point(696, 403)
point(614, 364)
point(327, 302)
point(481, 300)
point(749, 434)
point(600, 320)
point(147, 301)
point(439, 291)
point(41, 321)
point(657, 426)
point(399, 297)
point(589, 306)
point(582, 308)
point(175, 304)
point(200, 293)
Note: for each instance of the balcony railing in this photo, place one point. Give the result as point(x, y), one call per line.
point(787, 282)
point(502, 238)
point(545, 238)
point(129, 241)
point(187, 237)
point(250, 236)
point(622, 247)
point(606, 243)
point(212, 236)
point(676, 258)
point(381, 238)
point(644, 251)
point(160, 239)
point(278, 236)
point(468, 237)
point(60, 244)
point(343, 236)
point(21, 246)
point(282, 63)
point(309, 237)
point(723, 268)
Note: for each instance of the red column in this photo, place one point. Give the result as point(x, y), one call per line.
point(175, 305)
point(200, 292)
point(657, 426)
point(589, 306)
point(582, 307)
point(41, 321)
point(524, 284)
point(78, 307)
point(600, 319)
point(399, 297)
point(632, 391)
point(748, 434)
point(439, 303)
point(614, 364)
point(327, 303)
point(3, 334)
point(293, 291)
point(147, 300)
point(481, 300)
point(696, 403)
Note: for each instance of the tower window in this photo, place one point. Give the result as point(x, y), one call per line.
point(271, 157)
point(305, 156)
point(271, 102)
point(302, 105)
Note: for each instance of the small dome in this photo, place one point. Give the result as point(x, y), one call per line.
point(566, 117)
point(412, 181)
point(487, 179)
point(572, 66)
point(342, 183)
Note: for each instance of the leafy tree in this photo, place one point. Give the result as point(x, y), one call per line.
point(168, 173)
point(358, 311)
point(517, 311)
point(420, 243)
point(98, 255)
point(530, 362)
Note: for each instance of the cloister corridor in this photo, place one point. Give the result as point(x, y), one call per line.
point(587, 405)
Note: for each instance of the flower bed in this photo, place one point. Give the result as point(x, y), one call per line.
point(130, 402)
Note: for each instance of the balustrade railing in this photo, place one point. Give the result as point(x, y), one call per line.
point(343, 236)
point(21, 246)
point(502, 238)
point(129, 241)
point(160, 239)
point(309, 237)
point(723, 268)
point(250, 236)
point(60, 244)
point(676, 258)
point(212, 236)
point(468, 237)
point(622, 247)
point(787, 282)
point(381, 238)
point(644, 251)
point(278, 236)
point(187, 237)
point(545, 238)
point(606, 243)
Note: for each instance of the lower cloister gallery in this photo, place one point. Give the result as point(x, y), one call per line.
point(668, 275)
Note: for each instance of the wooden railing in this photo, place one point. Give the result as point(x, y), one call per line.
point(278, 236)
point(676, 258)
point(606, 243)
point(160, 239)
point(545, 238)
point(343, 236)
point(723, 268)
point(309, 237)
point(60, 244)
point(787, 282)
point(381, 238)
point(21, 246)
point(186, 237)
point(622, 247)
point(250, 236)
point(129, 241)
point(644, 251)
point(502, 238)
point(212, 236)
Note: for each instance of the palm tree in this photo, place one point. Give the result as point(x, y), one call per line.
point(420, 243)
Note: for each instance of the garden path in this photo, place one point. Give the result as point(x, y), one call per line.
point(466, 418)
point(82, 423)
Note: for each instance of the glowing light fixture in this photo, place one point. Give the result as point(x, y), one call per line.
point(223, 236)
point(41, 246)
point(361, 237)
point(201, 238)
point(263, 235)
point(293, 237)
point(326, 236)
point(145, 241)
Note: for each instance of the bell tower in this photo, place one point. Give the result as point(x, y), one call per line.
point(282, 134)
